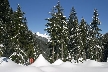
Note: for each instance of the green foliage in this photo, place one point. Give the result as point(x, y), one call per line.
point(18, 42)
point(6, 20)
point(56, 27)
point(73, 35)
point(69, 39)
point(24, 43)
point(83, 39)
point(4, 11)
point(95, 38)
point(105, 49)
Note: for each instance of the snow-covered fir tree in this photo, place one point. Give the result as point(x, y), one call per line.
point(57, 29)
point(5, 16)
point(73, 35)
point(19, 30)
point(105, 49)
point(33, 50)
point(22, 39)
point(18, 42)
point(2, 30)
point(95, 38)
point(4, 11)
point(83, 39)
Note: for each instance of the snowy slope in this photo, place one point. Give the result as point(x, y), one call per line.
point(92, 63)
point(57, 62)
point(5, 62)
point(41, 65)
point(20, 69)
point(68, 64)
point(40, 61)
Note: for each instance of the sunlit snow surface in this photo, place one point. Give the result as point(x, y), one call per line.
point(40, 61)
point(5, 62)
point(42, 65)
point(57, 62)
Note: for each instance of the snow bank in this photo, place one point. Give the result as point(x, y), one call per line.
point(40, 61)
point(57, 62)
point(7, 62)
point(92, 63)
point(48, 69)
point(67, 64)
point(26, 69)
point(20, 69)
point(80, 60)
point(87, 66)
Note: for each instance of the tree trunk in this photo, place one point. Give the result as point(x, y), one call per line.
point(57, 56)
point(62, 51)
point(53, 54)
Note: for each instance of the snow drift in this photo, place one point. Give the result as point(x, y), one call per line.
point(92, 63)
point(57, 62)
point(68, 64)
point(42, 65)
point(40, 61)
point(7, 62)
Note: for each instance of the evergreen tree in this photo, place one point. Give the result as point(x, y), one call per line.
point(5, 16)
point(4, 11)
point(56, 27)
point(24, 42)
point(88, 42)
point(83, 38)
point(73, 35)
point(2, 30)
point(105, 49)
point(33, 51)
point(95, 39)
point(19, 31)
point(2, 26)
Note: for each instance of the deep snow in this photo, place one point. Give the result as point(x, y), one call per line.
point(57, 62)
point(40, 61)
point(42, 65)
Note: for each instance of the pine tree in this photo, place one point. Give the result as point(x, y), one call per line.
point(62, 31)
point(56, 27)
point(84, 39)
point(4, 11)
point(95, 40)
point(19, 30)
point(33, 51)
point(73, 29)
point(23, 40)
point(105, 49)
point(5, 16)
point(2, 30)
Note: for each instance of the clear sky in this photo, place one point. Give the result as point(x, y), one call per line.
point(37, 10)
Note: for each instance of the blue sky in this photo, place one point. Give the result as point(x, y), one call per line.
point(37, 10)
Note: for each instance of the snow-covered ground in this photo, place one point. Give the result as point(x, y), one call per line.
point(42, 65)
